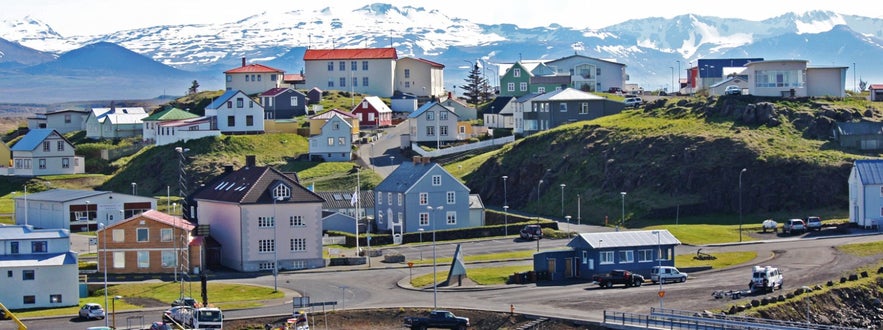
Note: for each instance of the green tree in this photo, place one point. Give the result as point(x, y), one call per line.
point(475, 89)
point(194, 88)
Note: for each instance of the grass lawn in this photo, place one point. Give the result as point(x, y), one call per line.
point(235, 296)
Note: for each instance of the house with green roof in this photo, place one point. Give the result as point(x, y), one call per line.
point(175, 125)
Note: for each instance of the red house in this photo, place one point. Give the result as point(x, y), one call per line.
point(372, 112)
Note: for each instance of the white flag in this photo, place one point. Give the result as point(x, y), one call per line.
point(355, 198)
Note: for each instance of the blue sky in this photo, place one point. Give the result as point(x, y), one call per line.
point(84, 17)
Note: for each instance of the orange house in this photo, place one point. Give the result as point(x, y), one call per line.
point(149, 243)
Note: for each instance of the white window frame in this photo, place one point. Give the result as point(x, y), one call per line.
point(626, 256)
point(605, 257)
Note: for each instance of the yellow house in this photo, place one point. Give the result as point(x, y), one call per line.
point(317, 121)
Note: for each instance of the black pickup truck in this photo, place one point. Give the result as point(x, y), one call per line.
point(437, 319)
point(618, 277)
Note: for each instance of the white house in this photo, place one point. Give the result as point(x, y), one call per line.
point(419, 77)
point(363, 70)
point(45, 152)
point(236, 113)
point(500, 113)
point(77, 210)
point(63, 121)
point(253, 78)
point(175, 125)
point(334, 143)
point(792, 78)
point(241, 208)
point(433, 122)
point(114, 122)
point(866, 193)
point(40, 270)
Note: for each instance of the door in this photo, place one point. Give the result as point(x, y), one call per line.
point(568, 267)
point(550, 265)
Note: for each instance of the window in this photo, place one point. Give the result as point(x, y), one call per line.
point(266, 222)
point(165, 235)
point(331, 141)
point(294, 101)
point(778, 78)
point(430, 130)
point(54, 298)
point(266, 266)
point(298, 244)
point(168, 259)
point(605, 257)
point(119, 260)
point(430, 115)
point(451, 197)
point(8, 273)
point(249, 120)
point(273, 77)
point(29, 300)
point(65, 163)
point(330, 82)
point(39, 247)
point(424, 219)
point(42, 163)
point(407, 73)
point(626, 256)
point(389, 198)
point(541, 90)
point(341, 141)
point(330, 66)
point(355, 81)
point(354, 65)
point(443, 115)
point(562, 107)
point(45, 145)
point(645, 255)
point(229, 78)
point(342, 65)
point(13, 247)
point(424, 198)
point(584, 108)
point(510, 87)
point(522, 87)
point(400, 199)
point(585, 257)
point(364, 81)
point(516, 73)
point(118, 235)
point(266, 245)
point(259, 77)
point(364, 65)
point(407, 84)
point(296, 221)
point(436, 180)
point(342, 82)
point(143, 259)
point(231, 121)
point(142, 235)
point(443, 130)
point(59, 145)
point(240, 102)
point(451, 217)
point(27, 275)
point(379, 198)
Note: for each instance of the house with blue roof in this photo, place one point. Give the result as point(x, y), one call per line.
point(596, 253)
point(234, 112)
point(421, 195)
point(45, 152)
point(433, 122)
point(77, 210)
point(40, 270)
point(866, 193)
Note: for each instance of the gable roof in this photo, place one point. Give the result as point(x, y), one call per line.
point(584, 57)
point(859, 128)
point(431, 63)
point(251, 185)
point(119, 115)
point(279, 91)
point(526, 97)
point(341, 199)
point(428, 105)
point(334, 112)
point(617, 239)
point(875, 86)
point(170, 114)
point(475, 201)
point(218, 102)
point(375, 103)
point(79, 111)
point(33, 139)
point(407, 174)
point(350, 54)
point(568, 94)
point(870, 171)
point(336, 117)
point(254, 68)
point(161, 217)
point(293, 77)
point(499, 103)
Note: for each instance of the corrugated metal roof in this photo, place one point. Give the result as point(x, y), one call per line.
point(33, 139)
point(870, 171)
point(498, 104)
point(38, 260)
point(350, 54)
point(625, 239)
point(218, 102)
point(8, 232)
point(251, 185)
point(341, 199)
point(333, 112)
point(170, 114)
point(860, 128)
point(404, 176)
point(62, 195)
point(376, 103)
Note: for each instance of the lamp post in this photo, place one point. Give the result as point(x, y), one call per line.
point(538, 189)
point(568, 225)
point(740, 202)
point(275, 246)
point(26, 207)
point(505, 207)
point(679, 76)
point(103, 229)
point(175, 242)
point(659, 262)
point(134, 188)
point(434, 272)
point(622, 220)
point(113, 311)
point(672, 77)
point(562, 199)
point(421, 243)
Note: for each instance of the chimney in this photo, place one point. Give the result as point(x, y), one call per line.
point(243, 61)
point(416, 160)
point(425, 160)
point(228, 169)
point(249, 161)
point(450, 95)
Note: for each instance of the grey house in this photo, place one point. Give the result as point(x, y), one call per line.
point(283, 103)
point(564, 106)
point(345, 205)
point(862, 135)
point(421, 195)
point(596, 253)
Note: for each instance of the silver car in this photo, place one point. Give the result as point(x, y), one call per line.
point(91, 311)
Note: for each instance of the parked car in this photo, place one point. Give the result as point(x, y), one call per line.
point(666, 274)
point(184, 301)
point(765, 279)
point(531, 232)
point(614, 90)
point(160, 326)
point(733, 90)
point(633, 102)
point(618, 276)
point(91, 311)
point(770, 224)
point(813, 223)
point(794, 226)
point(437, 319)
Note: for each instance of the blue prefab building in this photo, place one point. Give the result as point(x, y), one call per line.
point(595, 253)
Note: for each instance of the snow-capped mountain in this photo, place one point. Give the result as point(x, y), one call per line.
point(650, 47)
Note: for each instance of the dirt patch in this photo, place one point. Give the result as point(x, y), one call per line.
point(391, 318)
point(145, 302)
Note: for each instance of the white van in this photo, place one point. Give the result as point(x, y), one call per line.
point(765, 279)
point(666, 274)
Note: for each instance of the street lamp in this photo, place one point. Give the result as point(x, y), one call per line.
point(740, 202)
point(538, 190)
point(659, 262)
point(134, 188)
point(622, 220)
point(103, 229)
point(568, 225)
point(562, 199)
point(672, 77)
point(679, 76)
point(113, 311)
point(434, 272)
point(505, 207)
point(421, 243)
point(275, 246)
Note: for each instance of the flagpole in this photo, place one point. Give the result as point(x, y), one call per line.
point(358, 204)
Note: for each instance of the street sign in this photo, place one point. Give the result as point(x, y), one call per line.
point(661, 294)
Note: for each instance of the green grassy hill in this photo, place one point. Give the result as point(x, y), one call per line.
point(681, 157)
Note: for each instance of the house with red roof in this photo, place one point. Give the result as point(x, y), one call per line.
point(253, 78)
point(876, 92)
point(362, 70)
point(420, 77)
point(372, 112)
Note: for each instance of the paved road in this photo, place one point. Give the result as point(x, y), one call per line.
point(804, 261)
point(385, 153)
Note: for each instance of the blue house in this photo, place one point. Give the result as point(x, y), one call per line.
point(421, 195)
point(283, 103)
point(597, 253)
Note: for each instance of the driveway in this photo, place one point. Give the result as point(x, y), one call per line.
point(383, 155)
